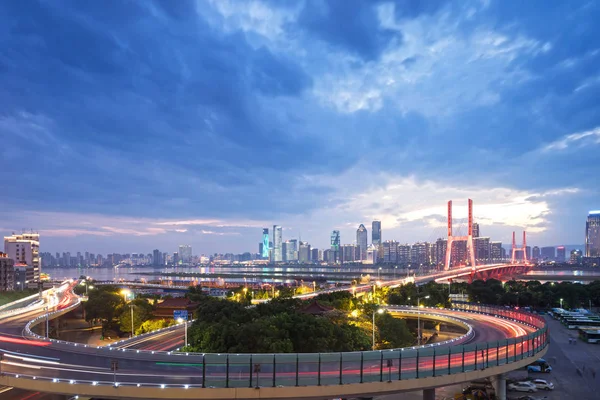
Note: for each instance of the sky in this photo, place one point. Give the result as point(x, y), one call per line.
point(129, 126)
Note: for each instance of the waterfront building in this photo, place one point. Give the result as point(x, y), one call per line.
point(535, 253)
point(372, 255)
point(390, 251)
point(7, 272)
point(496, 252)
point(156, 257)
point(576, 257)
point(482, 247)
point(475, 230)
point(561, 254)
point(316, 255)
point(185, 253)
point(592, 234)
point(264, 248)
point(289, 250)
point(277, 243)
point(548, 253)
point(350, 253)
point(361, 241)
point(418, 253)
point(334, 257)
point(376, 233)
point(403, 253)
point(24, 249)
point(440, 251)
point(304, 253)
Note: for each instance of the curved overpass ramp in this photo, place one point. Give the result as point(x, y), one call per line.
point(59, 367)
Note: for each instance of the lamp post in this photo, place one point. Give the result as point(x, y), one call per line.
point(47, 324)
point(180, 320)
point(314, 286)
point(378, 311)
point(561, 300)
point(131, 307)
point(395, 270)
point(419, 318)
point(379, 274)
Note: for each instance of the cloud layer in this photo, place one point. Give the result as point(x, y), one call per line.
point(146, 124)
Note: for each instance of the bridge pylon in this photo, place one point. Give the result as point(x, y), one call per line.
point(452, 238)
point(516, 249)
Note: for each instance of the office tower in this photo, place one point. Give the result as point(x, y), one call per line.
point(277, 243)
point(440, 251)
point(264, 253)
point(156, 257)
point(327, 256)
point(475, 229)
point(482, 250)
point(418, 253)
point(361, 241)
point(24, 249)
point(376, 233)
point(7, 272)
point(175, 258)
point(334, 257)
point(185, 253)
point(592, 234)
point(548, 253)
point(372, 255)
point(314, 256)
point(561, 254)
point(304, 253)
point(496, 252)
point(536, 253)
point(349, 253)
point(576, 256)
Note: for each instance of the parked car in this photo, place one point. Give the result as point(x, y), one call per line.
point(543, 384)
point(540, 365)
point(522, 387)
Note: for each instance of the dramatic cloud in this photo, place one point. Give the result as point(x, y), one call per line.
point(145, 124)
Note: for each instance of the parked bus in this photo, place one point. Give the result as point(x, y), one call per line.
point(590, 335)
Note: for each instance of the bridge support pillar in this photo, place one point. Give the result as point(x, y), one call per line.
point(500, 386)
point(429, 394)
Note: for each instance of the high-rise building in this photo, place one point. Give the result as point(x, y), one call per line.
point(440, 251)
point(402, 254)
point(185, 253)
point(548, 253)
point(418, 253)
point(376, 233)
point(334, 256)
point(290, 250)
point(561, 254)
point(315, 255)
point(482, 250)
point(24, 249)
point(592, 234)
point(576, 257)
point(264, 251)
point(361, 241)
point(372, 255)
point(350, 253)
point(535, 253)
point(496, 252)
point(156, 257)
point(7, 272)
point(277, 243)
point(304, 253)
point(475, 230)
point(390, 251)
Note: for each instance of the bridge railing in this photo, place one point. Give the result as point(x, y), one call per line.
point(252, 370)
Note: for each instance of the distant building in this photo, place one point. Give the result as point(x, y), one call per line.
point(475, 230)
point(24, 249)
point(440, 251)
point(390, 251)
point(185, 253)
point(536, 253)
point(350, 253)
point(7, 272)
point(156, 257)
point(548, 253)
point(372, 255)
point(316, 255)
point(418, 253)
point(277, 243)
point(289, 250)
point(361, 241)
point(592, 234)
point(402, 253)
point(264, 248)
point(576, 257)
point(561, 254)
point(376, 233)
point(482, 250)
point(335, 247)
point(304, 253)
point(496, 252)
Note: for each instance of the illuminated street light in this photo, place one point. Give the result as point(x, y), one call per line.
point(180, 320)
point(419, 318)
point(125, 293)
point(561, 301)
point(378, 311)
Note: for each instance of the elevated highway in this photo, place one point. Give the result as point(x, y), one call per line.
point(31, 362)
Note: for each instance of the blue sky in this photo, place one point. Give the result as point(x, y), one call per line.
point(128, 126)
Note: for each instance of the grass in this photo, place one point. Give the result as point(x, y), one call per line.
point(7, 297)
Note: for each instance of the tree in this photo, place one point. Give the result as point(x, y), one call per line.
point(142, 311)
point(103, 304)
point(393, 332)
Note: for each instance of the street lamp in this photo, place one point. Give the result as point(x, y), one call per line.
point(419, 318)
point(131, 307)
point(125, 294)
point(561, 300)
point(379, 274)
point(378, 311)
point(47, 308)
point(180, 320)
point(314, 286)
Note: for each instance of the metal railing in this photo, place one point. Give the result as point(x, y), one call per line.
point(285, 370)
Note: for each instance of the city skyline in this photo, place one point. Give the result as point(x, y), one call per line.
point(315, 117)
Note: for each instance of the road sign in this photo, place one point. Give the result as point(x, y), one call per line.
point(183, 314)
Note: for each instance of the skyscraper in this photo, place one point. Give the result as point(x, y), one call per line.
point(561, 254)
point(548, 253)
point(475, 229)
point(185, 253)
point(376, 233)
point(277, 241)
point(335, 247)
point(265, 243)
point(361, 241)
point(156, 257)
point(24, 249)
point(304, 253)
point(592, 234)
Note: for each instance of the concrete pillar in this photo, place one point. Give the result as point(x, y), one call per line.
point(429, 394)
point(500, 386)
